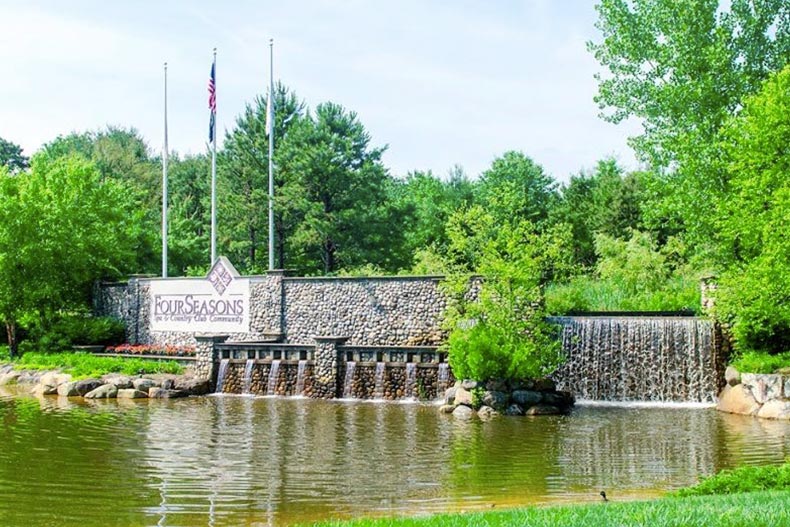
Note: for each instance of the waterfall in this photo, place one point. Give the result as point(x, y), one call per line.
point(411, 380)
point(274, 372)
point(300, 377)
point(348, 384)
point(442, 378)
point(378, 390)
point(668, 359)
point(248, 367)
point(223, 370)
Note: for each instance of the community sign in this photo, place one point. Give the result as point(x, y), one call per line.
point(220, 303)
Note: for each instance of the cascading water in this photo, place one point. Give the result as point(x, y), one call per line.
point(223, 370)
point(349, 380)
point(442, 378)
point(668, 359)
point(274, 372)
point(378, 390)
point(248, 367)
point(300, 371)
point(411, 380)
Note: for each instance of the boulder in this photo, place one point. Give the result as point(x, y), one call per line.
point(514, 409)
point(9, 377)
point(497, 385)
point(131, 393)
point(764, 387)
point(562, 400)
point(775, 409)
point(468, 384)
point(449, 396)
point(496, 400)
point(737, 400)
point(49, 382)
point(87, 385)
point(144, 385)
point(463, 413)
point(120, 381)
point(732, 376)
point(162, 393)
point(193, 385)
point(463, 397)
point(787, 388)
point(544, 409)
point(68, 389)
point(105, 391)
point(545, 384)
point(486, 412)
point(527, 398)
point(446, 408)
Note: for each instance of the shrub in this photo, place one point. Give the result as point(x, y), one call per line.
point(82, 365)
point(75, 330)
point(761, 362)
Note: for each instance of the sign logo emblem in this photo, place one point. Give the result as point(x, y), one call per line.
point(220, 277)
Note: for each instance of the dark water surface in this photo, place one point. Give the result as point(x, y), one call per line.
point(222, 461)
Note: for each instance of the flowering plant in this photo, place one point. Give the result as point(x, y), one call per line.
point(147, 349)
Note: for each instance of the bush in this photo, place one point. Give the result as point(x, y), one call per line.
point(761, 362)
point(82, 365)
point(743, 479)
point(76, 330)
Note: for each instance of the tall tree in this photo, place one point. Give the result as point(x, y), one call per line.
point(189, 214)
point(340, 192)
point(11, 157)
point(61, 228)
point(244, 188)
point(682, 68)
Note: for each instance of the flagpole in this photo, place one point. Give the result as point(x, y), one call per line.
point(214, 181)
point(270, 123)
point(164, 190)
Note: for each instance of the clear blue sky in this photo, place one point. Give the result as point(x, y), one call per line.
point(440, 82)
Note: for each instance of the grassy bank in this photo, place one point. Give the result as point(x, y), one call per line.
point(756, 509)
point(83, 365)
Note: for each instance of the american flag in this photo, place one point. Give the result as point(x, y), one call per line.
point(212, 102)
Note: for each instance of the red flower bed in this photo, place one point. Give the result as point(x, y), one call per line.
point(146, 349)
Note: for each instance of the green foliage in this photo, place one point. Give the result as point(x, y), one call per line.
point(683, 69)
point(742, 479)
point(11, 157)
point(499, 332)
point(75, 330)
point(761, 362)
point(61, 228)
point(754, 290)
point(758, 509)
point(82, 365)
point(631, 275)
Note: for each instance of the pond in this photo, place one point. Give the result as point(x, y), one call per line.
point(227, 460)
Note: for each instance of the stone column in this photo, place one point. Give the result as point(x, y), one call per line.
point(328, 367)
point(207, 356)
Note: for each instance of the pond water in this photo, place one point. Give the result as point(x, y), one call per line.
point(224, 461)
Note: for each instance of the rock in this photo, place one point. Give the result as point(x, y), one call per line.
point(545, 385)
point(193, 386)
point(463, 413)
point(446, 408)
point(544, 409)
point(787, 388)
point(775, 409)
point(764, 387)
point(732, 376)
point(496, 385)
point(9, 377)
point(49, 382)
point(105, 391)
point(86, 385)
point(737, 400)
point(486, 412)
point(120, 381)
point(68, 389)
point(514, 409)
point(468, 384)
point(496, 400)
point(131, 393)
point(527, 398)
point(144, 385)
point(562, 400)
point(162, 393)
point(449, 396)
point(463, 397)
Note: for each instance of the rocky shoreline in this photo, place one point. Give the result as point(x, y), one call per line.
point(110, 386)
point(467, 399)
point(761, 395)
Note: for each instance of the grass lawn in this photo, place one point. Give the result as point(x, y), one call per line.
point(84, 365)
point(755, 509)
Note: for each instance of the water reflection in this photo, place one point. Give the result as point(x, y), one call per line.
point(221, 461)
